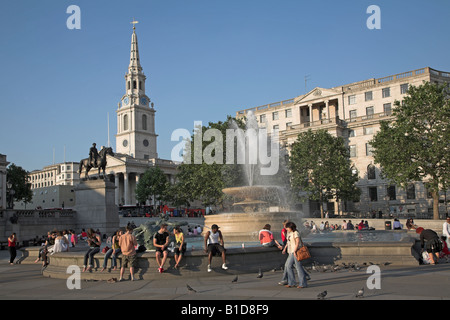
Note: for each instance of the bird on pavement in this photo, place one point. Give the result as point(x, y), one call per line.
point(235, 279)
point(322, 295)
point(260, 274)
point(190, 288)
point(360, 293)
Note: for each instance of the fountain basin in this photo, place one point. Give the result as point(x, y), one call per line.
point(245, 226)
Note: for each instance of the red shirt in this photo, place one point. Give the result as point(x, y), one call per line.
point(12, 243)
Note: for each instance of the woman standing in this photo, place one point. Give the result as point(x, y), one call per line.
point(293, 244)
point(180, 245)
point(12, 240)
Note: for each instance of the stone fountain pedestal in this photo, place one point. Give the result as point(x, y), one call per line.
point(244, 226)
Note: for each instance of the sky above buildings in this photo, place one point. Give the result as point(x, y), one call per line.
point(204, 60)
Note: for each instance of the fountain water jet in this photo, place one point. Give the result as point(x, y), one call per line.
point(254, 204)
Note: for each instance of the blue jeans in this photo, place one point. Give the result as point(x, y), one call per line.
point(113, 259)
point(291, 261)
point(90, 254)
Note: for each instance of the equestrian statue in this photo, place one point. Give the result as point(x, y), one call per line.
point(95, 160)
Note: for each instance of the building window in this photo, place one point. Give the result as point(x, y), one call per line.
point(386, 92)
point(369, 112)
point(352, 115)
point(288, 124)
point(371, 172)
point(134, 84)
point(288, 113)
point(391, 193)
point(387, 108)
point(129, 85)
point(373, 194)
point(125, 122)
point(368, 150)
point(144, 122)
point(352, 99)
point(410, 192)
point(368, 130)
point(404, 88)
point(262, 118)
point(353, 151)
point(368, 96)
point(276, 127)
point(140, 85)
point(275, 115)
point(351, 133)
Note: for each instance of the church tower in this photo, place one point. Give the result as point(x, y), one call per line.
point(136, 135)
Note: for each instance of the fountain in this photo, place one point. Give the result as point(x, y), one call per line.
point(254, 204)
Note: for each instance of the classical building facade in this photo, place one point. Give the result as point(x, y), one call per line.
point(354, 111)
point(3, 191)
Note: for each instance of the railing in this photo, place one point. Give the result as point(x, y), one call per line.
point(40, 214)
point(267, 106)
point(321, 122)
point(370, 116)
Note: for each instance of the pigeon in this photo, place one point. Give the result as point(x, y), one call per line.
point(322, 295)
point(260, 274)
point(360, 293)
point(235, 279)
point(190, 288)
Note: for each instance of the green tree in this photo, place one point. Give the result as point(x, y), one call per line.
point(415, 145)
point(203, 181)
point(18, 177)
point(320, 167)
point(153, 184)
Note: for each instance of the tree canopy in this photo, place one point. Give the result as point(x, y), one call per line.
point(153, 184)
point(321, 168)
point(18, 177)
point(415, 145)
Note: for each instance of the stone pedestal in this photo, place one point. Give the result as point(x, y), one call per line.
point(96, 207)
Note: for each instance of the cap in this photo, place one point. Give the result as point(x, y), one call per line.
point(419, 230)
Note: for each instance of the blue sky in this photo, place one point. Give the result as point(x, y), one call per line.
point(204, 60)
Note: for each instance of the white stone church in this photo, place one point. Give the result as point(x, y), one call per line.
point(136, 139)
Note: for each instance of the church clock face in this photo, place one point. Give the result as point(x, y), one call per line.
point(125, 143)
point(126, 100)
point(145, 143)
point(144, 101)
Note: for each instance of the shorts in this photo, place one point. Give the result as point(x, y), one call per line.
point(215, 249)
point(269, 244)
point(434, 245)
point(158, 249)
point(178, 251)
point(129, 259)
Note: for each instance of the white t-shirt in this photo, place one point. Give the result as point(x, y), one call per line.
point(291, 245)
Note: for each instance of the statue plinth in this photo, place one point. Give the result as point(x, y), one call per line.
point(96, 207)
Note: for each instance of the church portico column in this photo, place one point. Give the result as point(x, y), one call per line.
point(126, 192)
point(116, 191)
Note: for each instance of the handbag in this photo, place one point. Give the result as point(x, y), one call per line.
point(302, 253)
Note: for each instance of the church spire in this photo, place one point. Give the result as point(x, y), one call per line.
point(135, 65)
